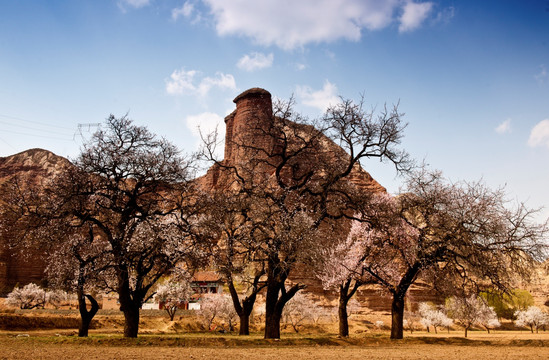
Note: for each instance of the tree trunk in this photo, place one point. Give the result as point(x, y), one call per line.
point(273, 312)
point(397, 317)
point(343, 317)
point(272, 325)
point(131, 320)
point(466, 328)
point(244, 324)
point(85, 315)
point(245, 309)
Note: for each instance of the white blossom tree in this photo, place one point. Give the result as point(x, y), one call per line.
point(431, 316)
point(30, 296)
point(533, 317)
point(220, 307)
point(471, 310)
point(172, 294)
point(298, 310)
point(134, 189)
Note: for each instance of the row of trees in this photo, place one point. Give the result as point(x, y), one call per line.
point(129, 213)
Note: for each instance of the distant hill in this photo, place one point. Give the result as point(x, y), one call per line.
point(31, 165)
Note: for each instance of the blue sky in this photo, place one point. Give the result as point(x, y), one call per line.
point(472, 77)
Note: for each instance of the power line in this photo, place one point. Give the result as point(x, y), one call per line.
point(32, 128)
point(40, 136)
point(35, 122)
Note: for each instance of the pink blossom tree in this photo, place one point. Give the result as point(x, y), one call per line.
point(341, 270)
point(297, 185)
point(444, 231)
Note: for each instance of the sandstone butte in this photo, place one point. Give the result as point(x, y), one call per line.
point(252, 106)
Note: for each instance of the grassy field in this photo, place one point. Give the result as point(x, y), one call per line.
point(51, 335)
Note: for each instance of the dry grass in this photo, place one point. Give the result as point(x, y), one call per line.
point(182, 339)
point(45, 345)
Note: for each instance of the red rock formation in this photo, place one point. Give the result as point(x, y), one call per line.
point(32, 165)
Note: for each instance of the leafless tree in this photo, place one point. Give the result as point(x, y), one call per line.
point(443, 231)
point(123, 215)
point(232, 253)
point(295, 174)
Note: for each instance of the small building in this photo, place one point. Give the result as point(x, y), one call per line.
point(207, 282)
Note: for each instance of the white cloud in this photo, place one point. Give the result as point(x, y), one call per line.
point(136, 4)
point(539, 136)
point(205, 123)
point(255, 61)
point(185, 82)
point(320, 99)
point(413, 15)
point(504, 127)
point(186, 10)
point(291, 24)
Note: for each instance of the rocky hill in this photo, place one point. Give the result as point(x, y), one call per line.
point(32, 165)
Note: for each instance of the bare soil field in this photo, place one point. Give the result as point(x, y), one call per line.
point(64, 345)
point(52, 335)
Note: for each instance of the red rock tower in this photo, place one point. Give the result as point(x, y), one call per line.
point(248, 124)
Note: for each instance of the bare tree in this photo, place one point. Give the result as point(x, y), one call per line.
point(442, 231)
point(75, 254)
point(297, 178)
point(230, 224)
point(123, 216)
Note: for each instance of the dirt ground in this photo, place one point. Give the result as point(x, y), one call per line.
point(505, 345)
point(52, 335)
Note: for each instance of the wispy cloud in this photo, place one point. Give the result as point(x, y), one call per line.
point(445, 15)
point(255, 61)
point(186, 82)
point(539, 136)
point(413, 15)
point(504, 127)
point(188, 11)
point(321, 99)
point(542, 75)
point(136, 4)
point(291, 24)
